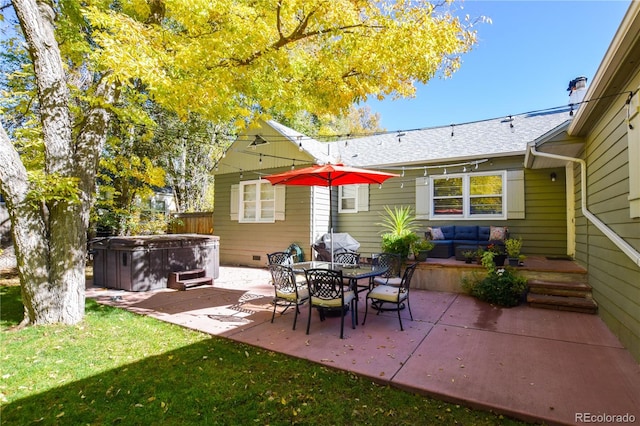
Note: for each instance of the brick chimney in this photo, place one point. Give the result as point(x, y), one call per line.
point(577, 89)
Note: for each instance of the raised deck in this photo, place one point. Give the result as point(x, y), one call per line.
point(448, 274)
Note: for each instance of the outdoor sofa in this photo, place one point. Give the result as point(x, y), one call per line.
point(447, 239)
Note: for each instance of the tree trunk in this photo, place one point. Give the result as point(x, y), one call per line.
point(49, 233)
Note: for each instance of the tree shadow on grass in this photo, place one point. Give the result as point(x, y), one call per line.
point(214, 381)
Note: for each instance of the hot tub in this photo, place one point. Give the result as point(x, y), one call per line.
point(142, 263)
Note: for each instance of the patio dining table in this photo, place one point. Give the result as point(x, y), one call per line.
point(349, 271)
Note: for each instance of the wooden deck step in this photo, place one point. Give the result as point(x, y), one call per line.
point(568, 289)
point(182, 280)
point(563, 303)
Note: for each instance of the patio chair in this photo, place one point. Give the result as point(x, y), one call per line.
point(392, 261)
point(288, 291)
point(280, 258)
point(391, 294)
point(285, 258)
point(328, 292)
point(350, 258)
point(347, 258)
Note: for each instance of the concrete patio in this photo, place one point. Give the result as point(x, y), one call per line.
point(536, 365)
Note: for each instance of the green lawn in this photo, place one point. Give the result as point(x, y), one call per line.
point(120, 368)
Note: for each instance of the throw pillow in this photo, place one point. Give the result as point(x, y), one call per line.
point(436, 234)
point(497, 233)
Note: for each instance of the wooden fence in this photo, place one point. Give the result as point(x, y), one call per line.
point(192, 223)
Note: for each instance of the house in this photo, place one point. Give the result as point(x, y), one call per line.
point(567, 180)
point(600, 150)
point(253, 218)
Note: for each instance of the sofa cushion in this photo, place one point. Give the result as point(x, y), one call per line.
point(448, 232)
point(466, 233)
point(484, 232)
point(497, 233)
point(436, 234)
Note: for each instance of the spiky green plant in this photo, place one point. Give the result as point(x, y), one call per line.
point(399, 221)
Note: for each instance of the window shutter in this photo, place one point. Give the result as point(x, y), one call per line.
point(515, 194)
point(235, 202)
point(280, 201)
point(423, 198)
point(363, 198)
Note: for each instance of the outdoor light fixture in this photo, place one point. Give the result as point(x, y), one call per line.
point(553, 176)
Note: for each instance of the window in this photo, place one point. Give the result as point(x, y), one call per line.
point(353, 198)
point(463, 196)
point(257, 201)
point(348, 196)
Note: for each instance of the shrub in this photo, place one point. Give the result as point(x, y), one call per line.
point(501, 286)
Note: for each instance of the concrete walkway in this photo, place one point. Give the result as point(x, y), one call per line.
point(533, 364)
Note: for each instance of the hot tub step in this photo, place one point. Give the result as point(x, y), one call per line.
point(183, 280)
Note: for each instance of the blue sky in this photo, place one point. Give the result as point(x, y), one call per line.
point(522, 62)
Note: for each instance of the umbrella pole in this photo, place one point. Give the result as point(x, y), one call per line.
point(331, 218)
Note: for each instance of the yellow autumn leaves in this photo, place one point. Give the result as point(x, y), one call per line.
point(225, 59)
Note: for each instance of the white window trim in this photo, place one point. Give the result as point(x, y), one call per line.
point(342, 197)
point(258, 218)
point(466, 205)
point(361, 201)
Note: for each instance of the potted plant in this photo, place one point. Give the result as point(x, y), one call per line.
point(399, 231)
point(421, 249)
point(513, 247)
point(498, 254)
point(469, 255)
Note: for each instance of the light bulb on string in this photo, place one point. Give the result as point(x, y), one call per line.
point(401, 185)
point(379, 186)
point(260, 160)
point(476, 165)
point(425, 171)
point(403, 172)
point(464, 169)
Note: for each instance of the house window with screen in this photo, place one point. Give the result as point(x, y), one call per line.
point(257, 201)
point(468, 196)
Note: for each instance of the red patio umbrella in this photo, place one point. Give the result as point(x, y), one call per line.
point(329, 175)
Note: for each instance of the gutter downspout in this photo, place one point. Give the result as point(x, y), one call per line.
point(626, 248)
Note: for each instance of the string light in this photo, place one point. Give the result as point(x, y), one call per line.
point(425, 171)
point(260, 160)
point(400, 134)
point(452, 126)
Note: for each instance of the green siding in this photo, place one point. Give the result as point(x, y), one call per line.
point(543, 229)
point(614, 278)
point(240, 242)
